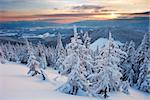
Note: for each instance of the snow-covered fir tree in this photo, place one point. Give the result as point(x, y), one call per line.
point(23, 54)
point(42, 58)
point(61, 54)
point(140, 55)
point(108, 76)
point(125, 46)
point(131, 52)
point(86, 40)
point(127, 65)
point(29, 47)
point(143, 82)
point(34, 67)
point(51, 57)
point(40, 47)
point(2, 58)
point(77, 66)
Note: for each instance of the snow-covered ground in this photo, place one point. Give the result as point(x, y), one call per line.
point(16, 85)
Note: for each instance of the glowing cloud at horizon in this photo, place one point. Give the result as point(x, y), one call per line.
point(70, 10)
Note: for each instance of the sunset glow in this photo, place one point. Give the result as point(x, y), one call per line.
point(66, 11)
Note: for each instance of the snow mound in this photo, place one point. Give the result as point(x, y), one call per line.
point(101, 42)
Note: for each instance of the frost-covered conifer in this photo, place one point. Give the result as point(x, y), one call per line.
point(127, 65)
point(60, 53)
point(143, 82)
point(2, 58)
point(107, 77)
point(43, 62)
point(141, 54)
point(87, 40)
point(34, 67)
point(77, 66)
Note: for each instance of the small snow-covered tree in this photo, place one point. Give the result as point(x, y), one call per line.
point(11, 53)
point(50, 53)
point(87, 40)
point(40, 47)
point(22, 54)
point(61, 54)
point(2, 58)
point(34, 67)
point(29, 46)
point(43, 62)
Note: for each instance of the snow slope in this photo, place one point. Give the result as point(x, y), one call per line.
point(16, 85)
point(100, 43)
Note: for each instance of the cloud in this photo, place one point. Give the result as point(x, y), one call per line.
point(87, 7)
point(108, 10)
point(142, 13)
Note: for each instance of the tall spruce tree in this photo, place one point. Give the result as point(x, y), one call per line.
point(60, 53)
point(141, 54)
point(77, 66)
point(108, 76)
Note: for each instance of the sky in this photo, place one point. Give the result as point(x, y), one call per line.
point(66, 11)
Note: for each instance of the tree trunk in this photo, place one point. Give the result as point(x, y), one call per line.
point(105, 93)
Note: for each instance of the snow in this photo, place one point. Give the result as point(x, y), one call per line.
point(16, 85)
point(43, 36)
point(8, 34)
point(100, 43)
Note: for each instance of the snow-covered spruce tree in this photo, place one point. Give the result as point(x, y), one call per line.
point(127, 65)
point(29, 46)
point(60, 54)
point(40, 47)
point(34, 66)
point(130, 52)
point(86, 43)
point(125, 46)
point(86, 40)
point(22, 54)
point(42, 58)
point(140, 55)
point(11, 54)
point(2, 58)
point(108, 75)
point(30, 53)
point(77, 66)
point(50, 53)
point(97, 51)
point(40, 51)
point(143, 82)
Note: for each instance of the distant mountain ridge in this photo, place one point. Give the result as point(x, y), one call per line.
point(122, 29)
